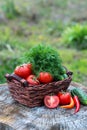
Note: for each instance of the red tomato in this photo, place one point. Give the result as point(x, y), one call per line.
point(64, 98)
point(23, 71)
point(45, 77)
point(51, 101)
point(33, 80)
point(30, 67)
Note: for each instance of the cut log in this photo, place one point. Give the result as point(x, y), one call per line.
point(20, 117)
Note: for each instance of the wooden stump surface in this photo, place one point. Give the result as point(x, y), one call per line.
point(20, 117)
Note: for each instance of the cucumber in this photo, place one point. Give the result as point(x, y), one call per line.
point(65, 76)
point(81, 95)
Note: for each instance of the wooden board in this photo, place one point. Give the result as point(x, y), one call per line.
point(20, 117)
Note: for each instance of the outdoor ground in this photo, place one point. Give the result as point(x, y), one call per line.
point(41, 21)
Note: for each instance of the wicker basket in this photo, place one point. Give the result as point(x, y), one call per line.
point(33, 96)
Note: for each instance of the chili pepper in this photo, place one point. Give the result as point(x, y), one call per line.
point(71, 105)
point(77, 103)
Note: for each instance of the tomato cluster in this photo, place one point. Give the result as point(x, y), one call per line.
point(25, 71)
point(52, 101)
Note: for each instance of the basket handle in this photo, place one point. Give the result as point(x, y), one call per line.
point(19, 79)
point(69, 73)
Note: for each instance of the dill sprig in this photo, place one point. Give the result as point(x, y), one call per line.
point(45, 58)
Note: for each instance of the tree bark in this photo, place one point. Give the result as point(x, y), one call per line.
point(20, 117)
point(5, 127)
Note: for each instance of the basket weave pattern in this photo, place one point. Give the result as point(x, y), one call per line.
point(33, 96)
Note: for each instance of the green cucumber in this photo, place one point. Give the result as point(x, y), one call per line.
point(81, 95)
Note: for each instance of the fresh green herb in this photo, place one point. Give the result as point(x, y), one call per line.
point(45, 58)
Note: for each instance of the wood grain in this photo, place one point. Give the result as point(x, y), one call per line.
point(20, 117)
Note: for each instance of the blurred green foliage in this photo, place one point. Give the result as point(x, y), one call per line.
point(75, 36)
point(10, 9)
point(59, 23)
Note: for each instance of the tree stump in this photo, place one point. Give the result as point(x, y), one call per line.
point(20, 117)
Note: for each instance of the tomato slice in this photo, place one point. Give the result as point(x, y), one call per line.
point(51, 101)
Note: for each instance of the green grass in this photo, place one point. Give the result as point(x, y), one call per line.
point(10, 9)
point(75, 36)
point(76, 62)
point(41, 21)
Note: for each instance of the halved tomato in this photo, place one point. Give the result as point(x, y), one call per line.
point(51, 101)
